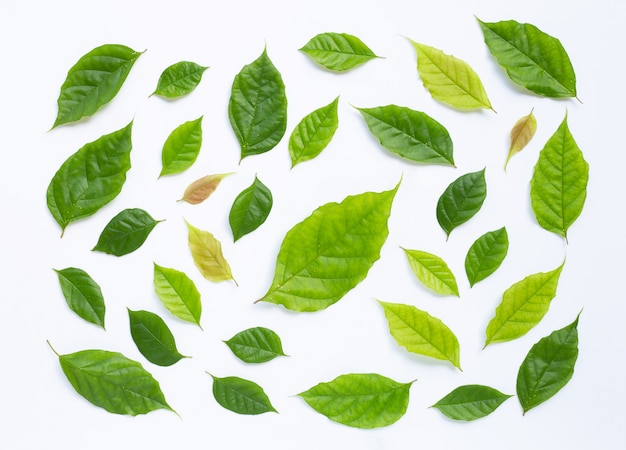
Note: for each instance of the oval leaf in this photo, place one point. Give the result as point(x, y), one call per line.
point(179, 79)
point(257, 108)
point(421, 333)
point(338, 51)
point(241, 396)
point(250, 209)
point(256, 345)
point(411, 134)
point(93, 81)
point(471, 402)
point(486, 255)
point(433, 272)
point(202, 188)
point(521, 134)
point(365, 400)
point(126, 232)
point(82, 294)
point(90, 178)
point(153, 338)
point(182, 147)
point(206, 251)
point(313, 133)
point(178, 293)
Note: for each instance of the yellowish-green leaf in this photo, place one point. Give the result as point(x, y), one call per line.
point(521, 134)
point(207, 255)
point(202, 188)
point(433, 272)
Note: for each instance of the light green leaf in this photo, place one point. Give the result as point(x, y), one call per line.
point(250, 209)
point(523, 306)
point(313, 133)
point(432, 271)
point(461, 200)
point(421, 333)
point(413, 135)
point(241, 396)
point(330, 252)
point(179, 79)
point(366, 400)
point(521, 134)
point(126, 232)
point(153, 338)
point(558, 188)
point(257, 108)
point(531, 58)
point(207, 254)
point(256, 345)
point(90, 178)
point(202, 188)
point(449, 79)
point(82, 294)
point(338, 51)
point(93, 81)
point(486, 255)
point(178, 293)
point(471, 402)
point(182, 147)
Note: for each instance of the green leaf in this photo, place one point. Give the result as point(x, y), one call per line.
point(523, 306)
point(521, 134)
point(179, 79)
point(257, 108)
point(531, 58)
point(358, 400)
point(461, 200)
point(421, 333)
point(241, 396)
point(125, 232)
point(202, 188)
point(182, 147)
point(449, 79)
point(413, 135)
point(207, 254)
point(178, 293)
point(93, 81)
point(256, 345)
point(548, 367)
point(330, 252)
point(432, 271)
point(90, 178)
point(250, 209)
point(338, 51)
point(153, 338)
point(471, 402)
point(113, 382)
point(486, 255)
point(82, 294)
point(313, 133)
point(558, 188)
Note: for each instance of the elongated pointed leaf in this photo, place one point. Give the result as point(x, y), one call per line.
point(449, 79)
point(558, 188)
point(313, 133)
point(413, 135)
point(153, 338)
point(258, 107)
point(256, 345)
point(461, 200)
point(182, 147)
point(421, 333)
point(82, 294)
point(360, 400)
point(531, 58)
point(432, 271)
point(90, 178)
point(523, 306)
point(93, 81)
point(202, 188)
point(241, 396)
point(521, 134)
point(338, 51)
point(207, 254)
point(471, 402)
point(330, 252)
point(486, 254)
point(179, 79)
point(250, 209)
point(126, 232)
point(178, 293)
point(548, 367)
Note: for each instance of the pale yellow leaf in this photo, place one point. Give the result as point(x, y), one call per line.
point(521, 134)
point(202, 188)
point(206, 251)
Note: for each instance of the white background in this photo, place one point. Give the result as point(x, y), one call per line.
point(41, 40)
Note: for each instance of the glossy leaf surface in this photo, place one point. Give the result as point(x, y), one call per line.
point(179, 79)
point(256, 345)
point(250, 209)
point(432, 271)
point(241, 396)
point(178, 293)
point(126, 232)
point(207, 254)
point(82, 294)
point(313, 133)
point(182, 147)
point(461, 200)
point(486, 254)
point(153, 338)
point(202, 188)
point(471, 402)
point(338, 51)
point(521, 134)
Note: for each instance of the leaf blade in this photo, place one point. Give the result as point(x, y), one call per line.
point(250, 209)
point(461, 200)
point(486, 254)
point(182, 147)
point(432, 271)
point(202, 188)
point(241, 396)
point(207, 255)
point(313, 133)
point(125, 232)
point(338, 52)
point(82, 294)
point(256, 345)
point(178, 293)
point(521, 134)
point(470, 402)
point(179, 79)
point(153, 338)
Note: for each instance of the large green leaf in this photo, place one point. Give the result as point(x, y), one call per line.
point(153, 338)
point(313, 133)
point(461, 200)
point(241, 396)
point(531, 58)
point(178, 293)
point(558, 188)
point(90, 178)
point(414, 135)
point(257, 108)
point(93, 81)
point(330, 252)
point(486, 254)
point(179, 79)
point(432, 271)
point(250, 209)
point(338, 51)
point(126, 232)
point(471, 402)
point(358, 400)
point(82, 294)
point(182, 147)
point(256, 345)
point(207, 254)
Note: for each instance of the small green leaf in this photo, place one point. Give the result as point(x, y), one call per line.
point(241, 396)
point(313, 133)
point(179, 79)
point(433, 272)
point(471, 402)
point(486, 255)
point(338, 51)
point(421, 333)
point(153, 338)
point(521, 134)
point(558, 187)
point(207, 254)
point(548, 367)
point(413, 135)
point(82, 294)
point(93, 81)
point(125, 232)
point(366, 400)
point(250, 209)
point(523, 306)
point(178, 293)
point(257, 108)
point(182, 147)
point(256, 345)
point(202, 188)
point(461, 200)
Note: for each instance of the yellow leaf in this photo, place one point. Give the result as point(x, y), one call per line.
point(206, 251)
point(521, 134)
point(202, 188)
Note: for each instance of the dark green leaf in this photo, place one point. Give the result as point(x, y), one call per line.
point(338, 51)
point(178, 293)
point(256, 345)
point(250, 209)
point(241, 396)
point(125, 232)
point(179, 79)
point(313, 133)
point(486, 254)
point(153, 338)
point(182, 147)
point(461, 200)
point(471, 402)
point(82, 294)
